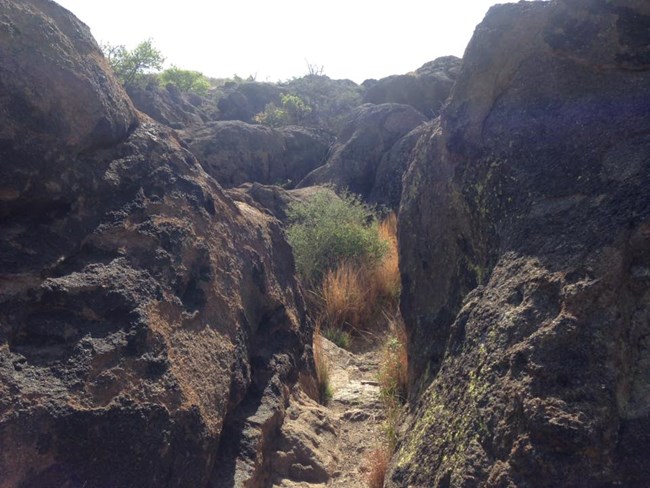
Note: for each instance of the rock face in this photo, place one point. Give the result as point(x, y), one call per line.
point(425, 89)
point(142, 312)
point(525, 254)
point(245, 100)
point(370, 132)
point(171, 107)
point(234, 152)
point(41, 87)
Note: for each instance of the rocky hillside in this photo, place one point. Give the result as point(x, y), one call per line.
point(142, 312)
point(525, 247)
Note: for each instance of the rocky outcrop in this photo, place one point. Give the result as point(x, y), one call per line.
point(171, 106)
point(370, 132)
point(234, 152)
point(243, 101)
point(426, 89)
point(143, 314)
point(524, 246)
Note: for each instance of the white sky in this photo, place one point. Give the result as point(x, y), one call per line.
point(355, 39)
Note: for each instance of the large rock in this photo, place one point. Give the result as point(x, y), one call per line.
point(426, 89)
point(142, 312)
point(370, 132)
point(242, 101)
point(234, 152)
point(525, 253)
point(49, 61)
point(171, 106)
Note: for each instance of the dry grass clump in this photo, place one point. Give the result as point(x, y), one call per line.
point(347, 296)
point(378, 461)
point(393, 370)
point(322, 369)
point(386, 277)
point(355, 294)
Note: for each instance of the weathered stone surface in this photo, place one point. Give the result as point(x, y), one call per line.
point(171, 107)
point(370, 132)
point(234, 152)
point(532, 191)
point(245, 100)
point(142, 312)
point(426, 89)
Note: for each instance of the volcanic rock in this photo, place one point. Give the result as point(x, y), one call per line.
point(234, 152)
point(426, 89)
point(142, 312)
point(370, 132)
point(524, 240)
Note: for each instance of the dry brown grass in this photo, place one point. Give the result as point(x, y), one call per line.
point(378, 461)
point(355, 295)
point(346, 296)
point(393, 369)
point(322, 369)
point(386, 277)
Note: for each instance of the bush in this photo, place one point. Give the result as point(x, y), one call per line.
point(185, 80)
point(328, 229)
point(131, 66)
point(292, 111)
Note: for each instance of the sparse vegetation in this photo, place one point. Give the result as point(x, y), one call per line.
point(340, 337)
point(132, 66)
point(322, 369)
point(330, 229)
point(292, 111)
point(378, 461)
point(185, 80)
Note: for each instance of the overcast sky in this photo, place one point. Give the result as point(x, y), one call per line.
point(273, 40)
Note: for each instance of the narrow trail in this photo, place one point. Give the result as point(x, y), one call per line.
point(357, 406)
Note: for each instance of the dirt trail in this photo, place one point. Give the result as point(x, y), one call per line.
point(357, 406)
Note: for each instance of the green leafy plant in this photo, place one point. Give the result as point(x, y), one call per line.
point(338, 336)
point(185, 80)
point(131, 66)
point(292, 110)
point(328, 229)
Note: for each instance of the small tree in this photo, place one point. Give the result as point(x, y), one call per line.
point(186, 80)
point(131, 66)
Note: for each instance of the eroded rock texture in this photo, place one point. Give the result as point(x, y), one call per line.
point(525, 253)
point(425, 89)
point(234, 152)
point(356, 159)
point(142, 312)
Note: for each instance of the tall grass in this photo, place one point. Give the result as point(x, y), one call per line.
point(322, 369)
point(377, 466)
point(356, 294)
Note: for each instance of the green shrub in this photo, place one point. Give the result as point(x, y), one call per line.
point(293, 110)
point(328, 229)
point(185, 80)
point(131, 66)
point(338, 336)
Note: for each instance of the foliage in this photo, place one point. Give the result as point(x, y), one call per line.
point(340, 337)
point(347, 296)
point(322, 370)
point(131, 66)
point(328, 229)
point(185, 80)
point(292, 110)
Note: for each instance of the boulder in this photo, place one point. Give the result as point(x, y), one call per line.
point(49, 61)
point(426, 89)
point(234, 152)
point(524, 235)
point(172, 107)
point(243, 101)
point(370, 132)
point(148, 323)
